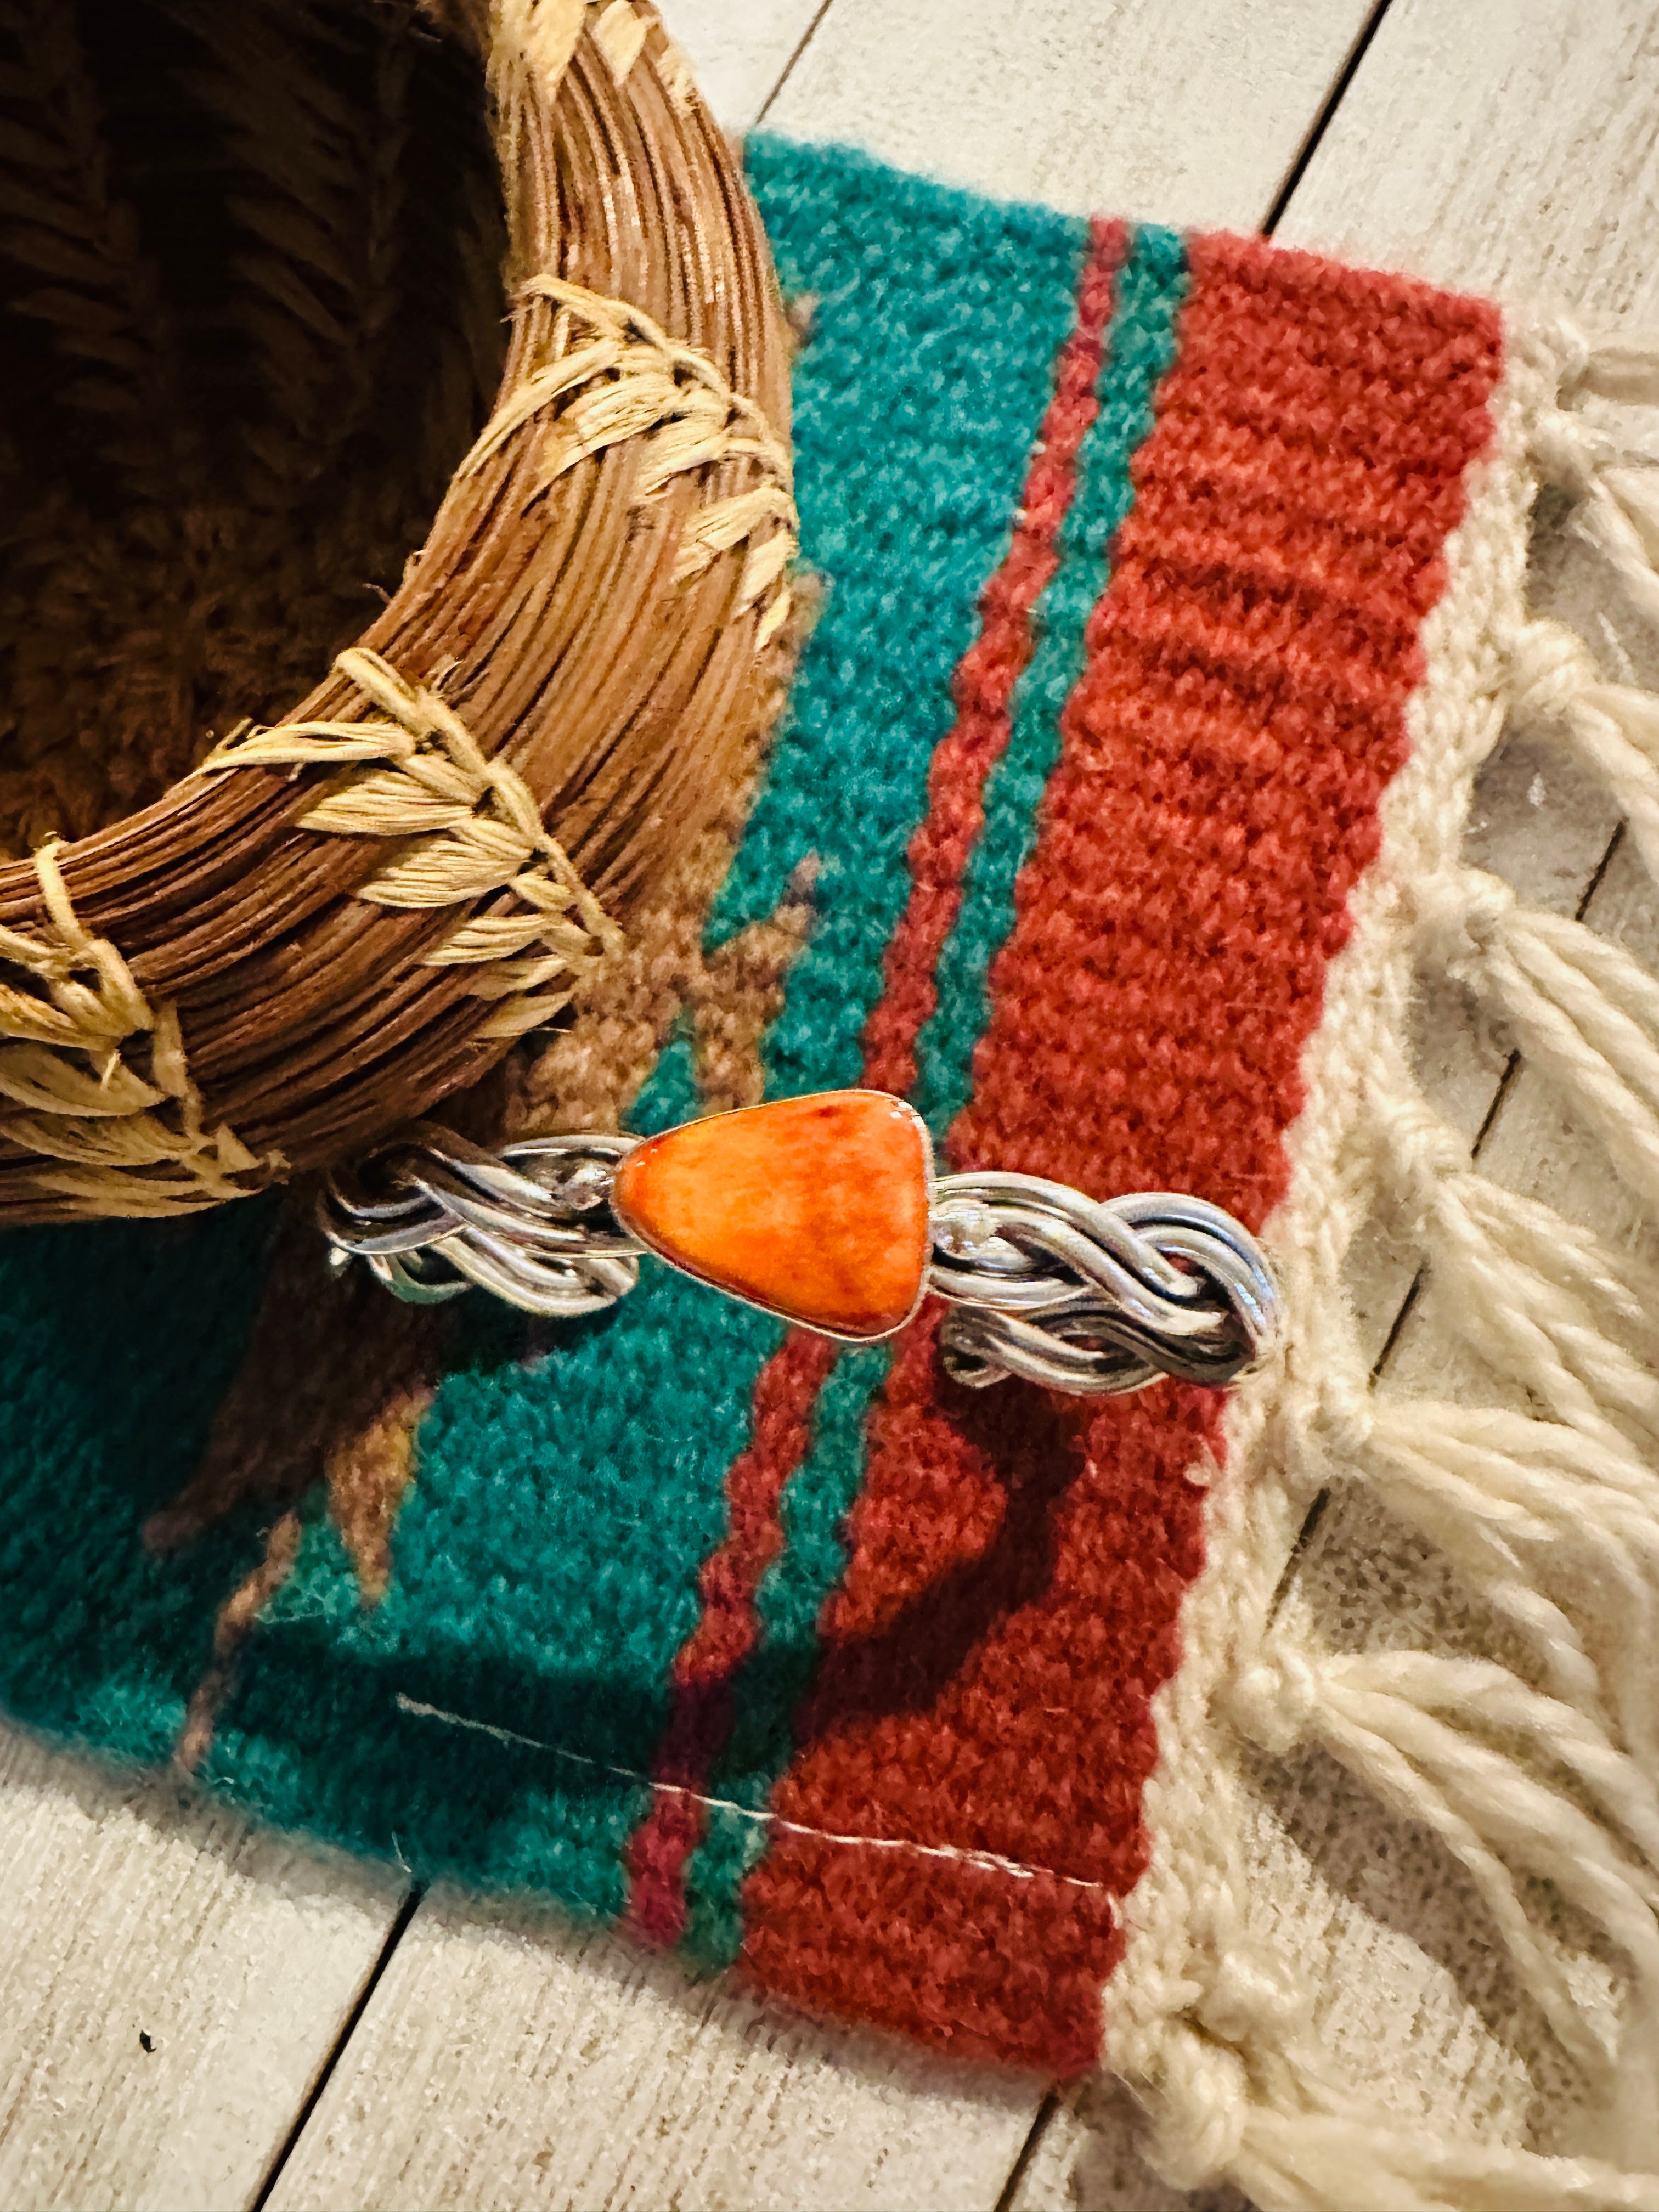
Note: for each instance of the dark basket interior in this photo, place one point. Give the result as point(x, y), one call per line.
point(250, 256)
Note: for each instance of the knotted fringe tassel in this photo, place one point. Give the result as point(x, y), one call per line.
point(1557, 685)
point(1417, 1729)
point(1295, 2141)
point(1533, 1515)
point(1617, 501)
point(1580, 1008)
point(1317, 2161)
point(1540, 1764)
point(1538, 1298)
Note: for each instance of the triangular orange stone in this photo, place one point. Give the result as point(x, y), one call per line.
point(815, 1208)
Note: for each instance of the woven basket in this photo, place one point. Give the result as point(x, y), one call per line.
point(232, 390)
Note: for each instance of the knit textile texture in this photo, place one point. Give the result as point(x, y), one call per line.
point(1172, 593)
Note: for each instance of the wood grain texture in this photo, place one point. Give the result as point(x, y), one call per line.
point(131, 1913)
point(495, 2065)
point(740, 51)
point(1188, 114)
point(1504, 145)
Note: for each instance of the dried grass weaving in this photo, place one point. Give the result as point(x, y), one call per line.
point(439, 346)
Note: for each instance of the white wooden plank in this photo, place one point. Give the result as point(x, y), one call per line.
point(498, 2066)
point(1184, 115)
point(131, 1913)
point(738, 53)
point(1506, 145)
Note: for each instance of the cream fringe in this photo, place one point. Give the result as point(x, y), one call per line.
point(1551, 1517)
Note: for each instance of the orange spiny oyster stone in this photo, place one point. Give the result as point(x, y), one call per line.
point(815, 1208)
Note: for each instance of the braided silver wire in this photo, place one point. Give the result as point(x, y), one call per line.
point(1095, 1296)
point(430, 1212)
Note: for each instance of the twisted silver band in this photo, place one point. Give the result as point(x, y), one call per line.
point(1092, 1295)
point(431, 1213)
point(1078, 1294)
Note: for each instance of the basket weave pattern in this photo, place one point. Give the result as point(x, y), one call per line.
point(431, 852)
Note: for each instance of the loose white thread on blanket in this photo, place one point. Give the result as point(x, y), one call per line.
point(958, 1855)
point(1551, 1516)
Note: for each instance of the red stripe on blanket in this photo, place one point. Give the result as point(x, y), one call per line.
point(984, 683)
point(786, 1390)
point(1010, 1607)
point(707, 1663)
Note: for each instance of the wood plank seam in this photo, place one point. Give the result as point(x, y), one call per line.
point(395, 1934)
point(788, 69)
point(1323, 120)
